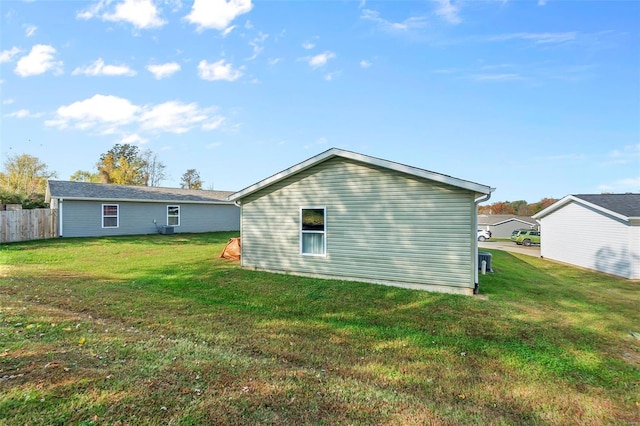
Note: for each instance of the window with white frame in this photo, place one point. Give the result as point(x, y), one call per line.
point(313, 236)
point(173, 215)
point(110, 215)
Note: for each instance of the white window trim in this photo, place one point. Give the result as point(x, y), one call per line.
point(179, 213)
point(324, 233)
point(117, 216)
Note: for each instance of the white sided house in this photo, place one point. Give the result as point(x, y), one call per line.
point(96, 209)
point(353, 217)
point(594, 231)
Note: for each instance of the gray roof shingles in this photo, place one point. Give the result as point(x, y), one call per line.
point(102, 191)
point(625, 204)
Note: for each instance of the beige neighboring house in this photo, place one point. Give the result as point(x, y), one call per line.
point(594, 231)
point(349, 216)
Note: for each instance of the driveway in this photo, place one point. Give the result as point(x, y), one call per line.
point(533, 250)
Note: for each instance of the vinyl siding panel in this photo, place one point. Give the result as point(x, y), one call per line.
point(634, 249)
point(84, 218)
point(208, 218)
point(579, 235)
point(382, 226)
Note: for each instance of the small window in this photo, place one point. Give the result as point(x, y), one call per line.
point(110, 215)
point(313, 231)
point(173, 215)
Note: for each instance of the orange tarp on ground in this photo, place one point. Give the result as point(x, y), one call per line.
point(232, 249)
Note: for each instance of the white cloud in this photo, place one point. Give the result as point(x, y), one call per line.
point(7, 101)
point(30, 30)
point(565, 157)
point(282, 34)
point(274, 61)
point(365, 63)
point(172, 117)
point(174, 5)
point(99, 68)
point(133, 139)
point(410, 23)
point(218, 71)
point(98, 110)
point(39, 60)
point(538, 38)
point(257, 45)
point(217, 14)
point(308, 45)
point(8, 55)
point(626, 155)
point(321, 59)
point(21, 113)
point(91, 12)
point(213, 123)
point(329, 76)
point(497, 77)
point(447, 11)
point(142, 14)
point(622, 186)
point(163, 70)
point(106, 114)
point(228, 30)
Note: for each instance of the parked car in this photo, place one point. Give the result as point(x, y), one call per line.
point(527, 238)
point(483, 235)
point(514, 234)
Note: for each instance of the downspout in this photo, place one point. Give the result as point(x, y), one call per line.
point(540, 230)
point(475, 244)
point(60, 217)
point(239, 205)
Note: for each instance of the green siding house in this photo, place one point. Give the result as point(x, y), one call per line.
point(353, 217)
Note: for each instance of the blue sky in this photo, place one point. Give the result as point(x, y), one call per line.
point(535, 98)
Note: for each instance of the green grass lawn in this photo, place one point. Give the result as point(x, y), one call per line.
point(159, 330)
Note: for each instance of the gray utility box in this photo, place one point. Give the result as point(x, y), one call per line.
point(486, 256)
point(166, 230)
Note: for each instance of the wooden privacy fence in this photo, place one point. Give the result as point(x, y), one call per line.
point(26, 225)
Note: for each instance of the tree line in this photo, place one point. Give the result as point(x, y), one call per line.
point(517, 208)
point(23, 179)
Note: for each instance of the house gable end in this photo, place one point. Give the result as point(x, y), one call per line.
point(364, 159)
point(382, 226)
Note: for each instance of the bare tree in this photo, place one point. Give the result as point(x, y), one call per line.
point(154, 169)
point(191, 180)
